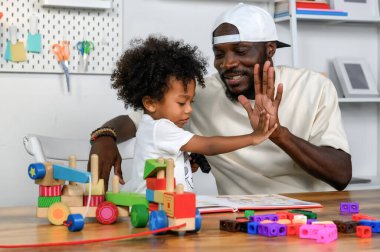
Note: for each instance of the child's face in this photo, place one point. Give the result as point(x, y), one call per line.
point(176, 104)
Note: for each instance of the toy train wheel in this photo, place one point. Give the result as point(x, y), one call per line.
point(139, 216)
point(157, 220)
point(74, 222)
point(198, 220)
point(58, 213)
point(107, 213)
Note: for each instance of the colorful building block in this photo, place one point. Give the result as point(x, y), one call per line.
point(327, 235)
point(48, 179)
point(252, 227)
point(179, 204)
point(50, 191)
point(346, 226)
point(349, 207)
point(229, 225)
point(48, 201)
point(152, 166)
point(72, 201)
point(190, 223)
point(67, 173)
point(96, 189)
point(58, 213)
point(248, 213)
point(127, 198)
point(293, 229)
point(95, 200)
point(363, 231)
point(72, 190)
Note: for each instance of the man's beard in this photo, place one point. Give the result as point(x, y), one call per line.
point(249, 93)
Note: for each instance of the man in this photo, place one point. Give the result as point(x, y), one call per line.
point(307, 152)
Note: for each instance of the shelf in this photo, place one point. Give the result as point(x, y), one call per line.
point(85, 4)
point(359, 99)
point(331, 19)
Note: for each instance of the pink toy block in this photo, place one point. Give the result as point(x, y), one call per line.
point(50, 191)
point(327, 235)
point(309, 231)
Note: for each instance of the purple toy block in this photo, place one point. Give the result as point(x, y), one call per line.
point(259, 218)
point(272, 229)
point(349, 207)
point(310, 221)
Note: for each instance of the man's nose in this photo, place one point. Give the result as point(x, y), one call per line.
point(229, 61)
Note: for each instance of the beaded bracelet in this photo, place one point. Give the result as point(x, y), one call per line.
point(105, 131)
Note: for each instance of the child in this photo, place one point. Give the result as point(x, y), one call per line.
point(158, 76)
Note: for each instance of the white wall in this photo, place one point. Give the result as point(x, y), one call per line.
point(36, 103)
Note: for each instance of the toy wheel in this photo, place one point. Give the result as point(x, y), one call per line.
point(58, 213)
point(198, 220)
point(36, 171)
point(157, 220)
point(139, 216)
point(75, 222)
point(106, 213)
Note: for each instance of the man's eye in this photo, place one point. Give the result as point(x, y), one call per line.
point(241, 50)
point(181, 103)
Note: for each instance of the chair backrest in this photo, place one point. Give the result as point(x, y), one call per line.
point(45, 148)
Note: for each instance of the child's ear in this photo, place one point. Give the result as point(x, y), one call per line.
point(149, 104)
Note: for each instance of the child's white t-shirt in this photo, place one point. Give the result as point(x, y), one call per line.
point(159, 138)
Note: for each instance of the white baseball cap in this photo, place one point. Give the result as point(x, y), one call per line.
point(253, 23)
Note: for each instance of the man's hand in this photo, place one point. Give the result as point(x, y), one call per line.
point(106, 149)
point(264, 98)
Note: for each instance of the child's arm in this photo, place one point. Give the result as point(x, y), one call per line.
point(218, 144)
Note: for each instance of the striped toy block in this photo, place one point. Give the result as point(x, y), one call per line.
point(72, 201)
point(48, 201)
point(50, 191)
point(72, 190)
point(95, 200)
point(97, 189)
point(49, 180)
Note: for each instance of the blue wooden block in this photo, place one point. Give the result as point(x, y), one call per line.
point(374, 224)
point(252, 227)
point(150, 195)
point(70, 174)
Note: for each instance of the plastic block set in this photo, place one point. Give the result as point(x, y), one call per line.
point(304, 224)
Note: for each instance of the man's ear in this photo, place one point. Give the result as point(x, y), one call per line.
point(149, 104)
point(270, 49)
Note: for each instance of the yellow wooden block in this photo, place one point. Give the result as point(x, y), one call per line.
point(284, 221)
point(72, 201)
point(97, 189)
point(159, 196)
point(169, 204)
point(42, 212)
point(48, 180)
point(72, 190)
point(190, 223)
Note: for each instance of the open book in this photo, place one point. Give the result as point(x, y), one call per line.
point(233, 203)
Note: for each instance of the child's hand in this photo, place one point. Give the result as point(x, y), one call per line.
point(262, 131)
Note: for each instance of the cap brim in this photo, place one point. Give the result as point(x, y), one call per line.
point(281, 44)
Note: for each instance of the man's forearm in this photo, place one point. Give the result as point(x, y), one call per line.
point(124, 127)
point(325, 163)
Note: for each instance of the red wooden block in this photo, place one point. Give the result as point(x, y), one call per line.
point(153, 206)
point(282, 215)
point(358, 217)
point(179, 205)
point(363, 231)
point(95, 200)
point(50, 191)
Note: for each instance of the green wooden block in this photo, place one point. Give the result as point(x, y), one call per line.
point(48, 201)
point(152, 166)
point(127, 198)
point(248, 213)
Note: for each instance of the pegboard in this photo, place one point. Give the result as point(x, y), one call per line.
point(102, 27)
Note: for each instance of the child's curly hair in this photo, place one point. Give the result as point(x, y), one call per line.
point(144, 70)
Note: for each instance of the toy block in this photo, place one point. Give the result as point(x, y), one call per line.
point(153, 206)
point(170, 185)
point(349, 207)
point(73, 165)
point(48, 201)
point(48, 179)
point(282, 215)
point(303, 222)
point(300, 217)
point(374, 224)
point(149, 194)
point(358, 217)
point(244, 227)
point(42, 212)
point(127, 198)
point(293, 229)
point(346, 226)
point(309, 231)
point(229, 225)
point(272, 229)
point(284, 221)
point(96, 189)
point(310, 221)
point(190, 223)
point(152, 166)
point(123, 211)
point(323, 223)
point(58, 213)
point(156, 184)
point(327, 235)
point(50, 191)
point(72, 190)
point(363, 231)
point(94, 163)
point(241, 219)
point(159, 196)
point(179, 205)
point(252, 227)
point(259, 218)
point(95, 200)
point(67, 173)
point(115, 184)
point(72, 201)
point(248, 213)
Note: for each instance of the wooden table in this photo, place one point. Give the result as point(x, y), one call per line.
point(19, 226)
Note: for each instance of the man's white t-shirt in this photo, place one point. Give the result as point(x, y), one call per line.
point(159, 138)
point(309, 109)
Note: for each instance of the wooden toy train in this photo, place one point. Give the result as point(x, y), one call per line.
point(66, 203)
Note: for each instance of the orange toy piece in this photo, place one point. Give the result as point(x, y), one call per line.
point(179, 204)
point(363, 231)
